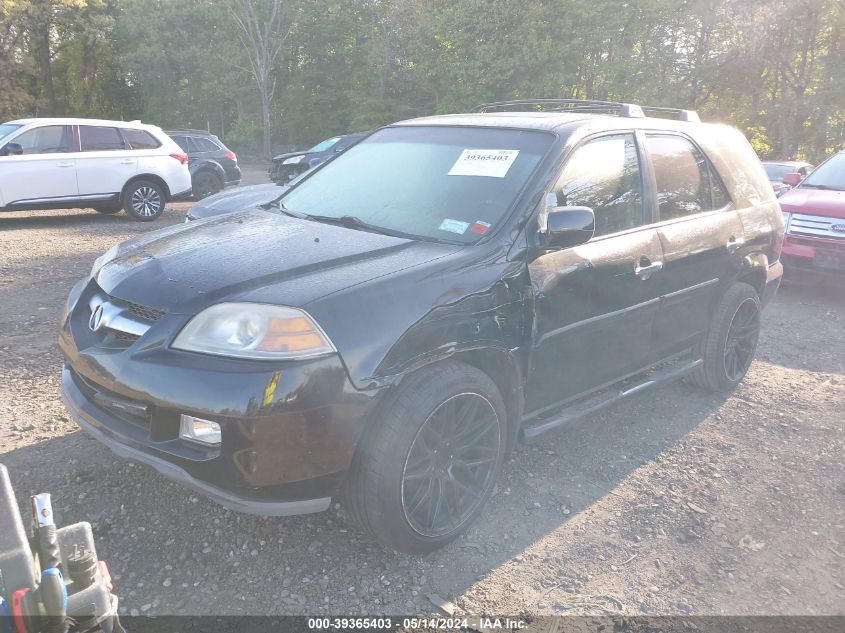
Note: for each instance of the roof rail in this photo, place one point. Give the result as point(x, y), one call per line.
point(630, 110)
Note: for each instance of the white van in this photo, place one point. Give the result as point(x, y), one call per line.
point(106, 165)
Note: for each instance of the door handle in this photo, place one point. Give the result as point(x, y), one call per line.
point(647, 268)
point(734, 244)
point(127, 161)
point(65, 163)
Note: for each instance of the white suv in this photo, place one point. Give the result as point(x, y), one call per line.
point(107, 165)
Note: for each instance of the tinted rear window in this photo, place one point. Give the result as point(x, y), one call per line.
point(140, 139)
point(204, 144)
point(98, 139)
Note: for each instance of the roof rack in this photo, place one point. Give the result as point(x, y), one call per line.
point(630, 110)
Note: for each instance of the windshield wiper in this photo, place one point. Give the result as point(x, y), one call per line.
point(352, 222)
point(277, 204)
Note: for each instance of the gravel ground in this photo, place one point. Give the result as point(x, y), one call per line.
point(675, 502)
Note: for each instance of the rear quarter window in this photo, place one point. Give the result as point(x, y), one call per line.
point(737, 165)
point(140, 139)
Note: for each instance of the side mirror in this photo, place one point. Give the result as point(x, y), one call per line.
point(792, 178)
point(12, 149)
point(567, 227)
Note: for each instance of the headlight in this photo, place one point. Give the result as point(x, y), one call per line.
point(103, 259)
point(293, 160)
point(254, 330)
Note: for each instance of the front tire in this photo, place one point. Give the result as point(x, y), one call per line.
point(427, 467)
point(143, 200)
point(728, 348)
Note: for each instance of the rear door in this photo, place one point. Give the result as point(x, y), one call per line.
point(700, 234)
point(595, 303)
point(45, 172)
point(103, 166)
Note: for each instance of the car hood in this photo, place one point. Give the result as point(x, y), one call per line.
point(252, 256)
point(237, 199)
point(289, 155)
point(814, 202)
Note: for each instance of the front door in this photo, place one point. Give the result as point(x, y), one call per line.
point(595, 303)
point(46, 171)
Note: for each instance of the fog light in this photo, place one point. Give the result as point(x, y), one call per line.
point(199, 430)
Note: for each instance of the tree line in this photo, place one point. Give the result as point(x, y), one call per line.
point(265, 74)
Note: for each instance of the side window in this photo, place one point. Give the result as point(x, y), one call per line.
point(604, 174)
point(140, 139)
point(50, 139)
point(100, 139)
point(205, 144)
point(181, 141)
point(682, 177)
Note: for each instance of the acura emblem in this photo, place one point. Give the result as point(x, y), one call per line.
point(96, 319)
point(838, 228)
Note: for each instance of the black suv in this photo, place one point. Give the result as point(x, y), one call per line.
point(387, 329)
point(213, 165)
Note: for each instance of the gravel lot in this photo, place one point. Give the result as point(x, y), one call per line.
point(675, 502)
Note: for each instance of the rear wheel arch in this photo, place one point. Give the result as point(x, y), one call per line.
point(151, 177)
point(753, 272)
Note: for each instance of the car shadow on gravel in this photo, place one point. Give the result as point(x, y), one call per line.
point(157, 534)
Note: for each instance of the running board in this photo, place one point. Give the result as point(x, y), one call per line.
point(580, 409)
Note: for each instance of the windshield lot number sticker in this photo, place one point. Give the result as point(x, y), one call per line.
point(454, 226)
point(493, 163)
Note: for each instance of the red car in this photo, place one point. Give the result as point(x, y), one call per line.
point(814, 218)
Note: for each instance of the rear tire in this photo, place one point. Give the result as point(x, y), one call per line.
point(143, 200)
point(427, 466)
point(205, 184)
point(729, 346)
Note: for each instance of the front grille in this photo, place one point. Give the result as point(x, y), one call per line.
point(816, 226)
point(124, 337)
point(120, 323)
point(143, 312)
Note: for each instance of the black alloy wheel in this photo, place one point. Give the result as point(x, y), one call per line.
point(741, 341)
point(450, 464)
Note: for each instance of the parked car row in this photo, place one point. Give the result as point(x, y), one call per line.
point(384, 328)
point(108, 166)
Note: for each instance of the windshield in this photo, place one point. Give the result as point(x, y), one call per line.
point(776, 172)
point(828, 175)
point(445, 183)
point(8, 128)
point(322, 146)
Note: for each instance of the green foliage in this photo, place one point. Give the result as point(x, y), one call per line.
point(774, 68)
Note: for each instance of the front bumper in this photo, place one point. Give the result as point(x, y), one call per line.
point(810, 258)
point(289, 430)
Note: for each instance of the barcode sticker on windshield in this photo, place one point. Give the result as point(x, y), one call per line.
point(493, 163)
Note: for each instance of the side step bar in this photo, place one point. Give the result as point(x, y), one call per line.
point(578, 410)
